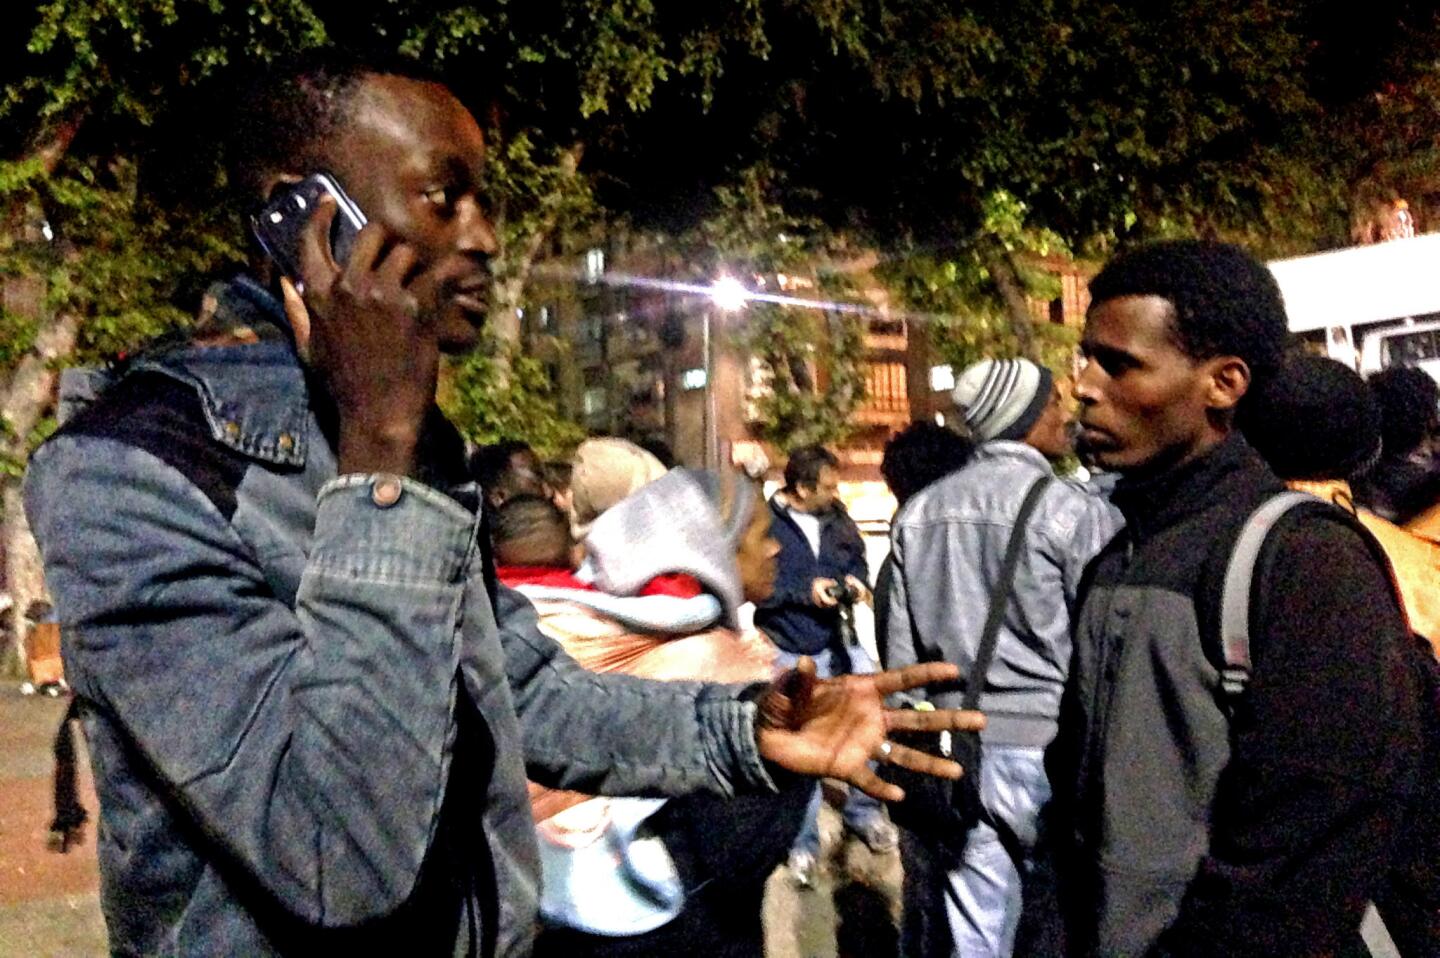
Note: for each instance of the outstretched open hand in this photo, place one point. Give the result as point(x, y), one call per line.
point(833, 728)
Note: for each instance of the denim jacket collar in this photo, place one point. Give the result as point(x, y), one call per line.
point(253, 390)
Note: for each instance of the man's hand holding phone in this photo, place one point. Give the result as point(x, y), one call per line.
point(367, 329)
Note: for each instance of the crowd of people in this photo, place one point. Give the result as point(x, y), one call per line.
point(349, 684)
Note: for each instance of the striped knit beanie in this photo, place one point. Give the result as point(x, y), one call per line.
point(1002, 398)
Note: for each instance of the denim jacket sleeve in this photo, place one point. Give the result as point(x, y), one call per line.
point(312, 744)
point(617, 734)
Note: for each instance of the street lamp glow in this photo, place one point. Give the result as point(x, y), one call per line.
point(727, 293)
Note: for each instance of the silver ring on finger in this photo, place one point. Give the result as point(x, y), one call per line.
point(886, 747)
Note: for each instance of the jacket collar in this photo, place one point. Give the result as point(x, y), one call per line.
point(1226, 472)
point(780, 506)
point(251, 383)
point(1013, 449)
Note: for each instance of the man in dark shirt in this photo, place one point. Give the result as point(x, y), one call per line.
point(821, 557)
point(1201, 824)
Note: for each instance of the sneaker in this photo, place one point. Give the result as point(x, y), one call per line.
point(802, 867)
point(878, 835)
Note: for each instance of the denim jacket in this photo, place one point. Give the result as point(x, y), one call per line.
point(310, 726)
point(948, 545)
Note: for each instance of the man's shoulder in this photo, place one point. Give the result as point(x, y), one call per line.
point(980, 486)
point(163, 416)
point(138, 409)
point(1317, 528)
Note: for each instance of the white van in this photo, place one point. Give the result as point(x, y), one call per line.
point(1370, 306)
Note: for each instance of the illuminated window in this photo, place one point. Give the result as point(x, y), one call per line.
point(594, 265)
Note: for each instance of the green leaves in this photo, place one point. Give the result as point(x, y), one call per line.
point(495, 392)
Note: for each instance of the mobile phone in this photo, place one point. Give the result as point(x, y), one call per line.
point(279, 224)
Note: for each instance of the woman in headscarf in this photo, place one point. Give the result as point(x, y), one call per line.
point(647, 876)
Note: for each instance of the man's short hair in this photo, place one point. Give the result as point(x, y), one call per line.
point(1407, 398)
point(1226, 302)
point(286, 115)
point(919, 454)
point(531, 531)
point(803, 468)
point(557, 474)
point(1318, 421)
point(491, 463)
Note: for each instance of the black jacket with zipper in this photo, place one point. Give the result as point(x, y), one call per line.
point(1201, 826)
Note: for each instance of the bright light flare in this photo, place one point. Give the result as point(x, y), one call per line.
point(728, 294)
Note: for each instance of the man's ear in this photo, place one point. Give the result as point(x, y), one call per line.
point(1227, 381)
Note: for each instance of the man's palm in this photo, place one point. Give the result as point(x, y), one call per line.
point(834, 728)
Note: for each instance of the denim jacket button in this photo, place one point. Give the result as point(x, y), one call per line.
point(232, 429)
point(385, 491)
point(286, 442)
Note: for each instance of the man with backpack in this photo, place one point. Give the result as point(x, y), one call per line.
point(1213, 810)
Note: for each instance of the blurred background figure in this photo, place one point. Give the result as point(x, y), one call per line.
point(508, 468)
point(42, 651)
point(1319, 429)
point(646, 876)
point(1406, 480)
point(557, 477)
point(821, 566)
point(916, 456)
point(604, 471)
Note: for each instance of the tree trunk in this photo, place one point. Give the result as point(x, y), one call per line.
point(514, 263)
point(49, 147)
point(1002, 269)
point(29, 395)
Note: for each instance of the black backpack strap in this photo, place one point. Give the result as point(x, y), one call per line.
point(1000, 596)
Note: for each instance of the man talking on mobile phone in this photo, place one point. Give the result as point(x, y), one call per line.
point(311, 711)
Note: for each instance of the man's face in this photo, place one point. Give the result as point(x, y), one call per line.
point(411, 156)
point(1144, 403)
point(822, 495)
point(1051, 432)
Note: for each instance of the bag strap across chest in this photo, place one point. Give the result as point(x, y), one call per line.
point(1000, 596)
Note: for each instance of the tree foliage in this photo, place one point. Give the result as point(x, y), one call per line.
point(810, 357)
point(903, 124)
point(521, 405)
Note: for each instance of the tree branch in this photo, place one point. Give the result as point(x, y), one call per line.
point(998, 261)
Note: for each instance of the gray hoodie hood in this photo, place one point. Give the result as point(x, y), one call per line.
point(673, 524)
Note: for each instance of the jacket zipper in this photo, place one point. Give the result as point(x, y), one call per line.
point(1101, 723)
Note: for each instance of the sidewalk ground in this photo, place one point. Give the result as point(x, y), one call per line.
point(49, 903)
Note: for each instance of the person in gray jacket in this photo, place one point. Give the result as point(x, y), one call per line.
point(948, 544)
point(311, 710)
